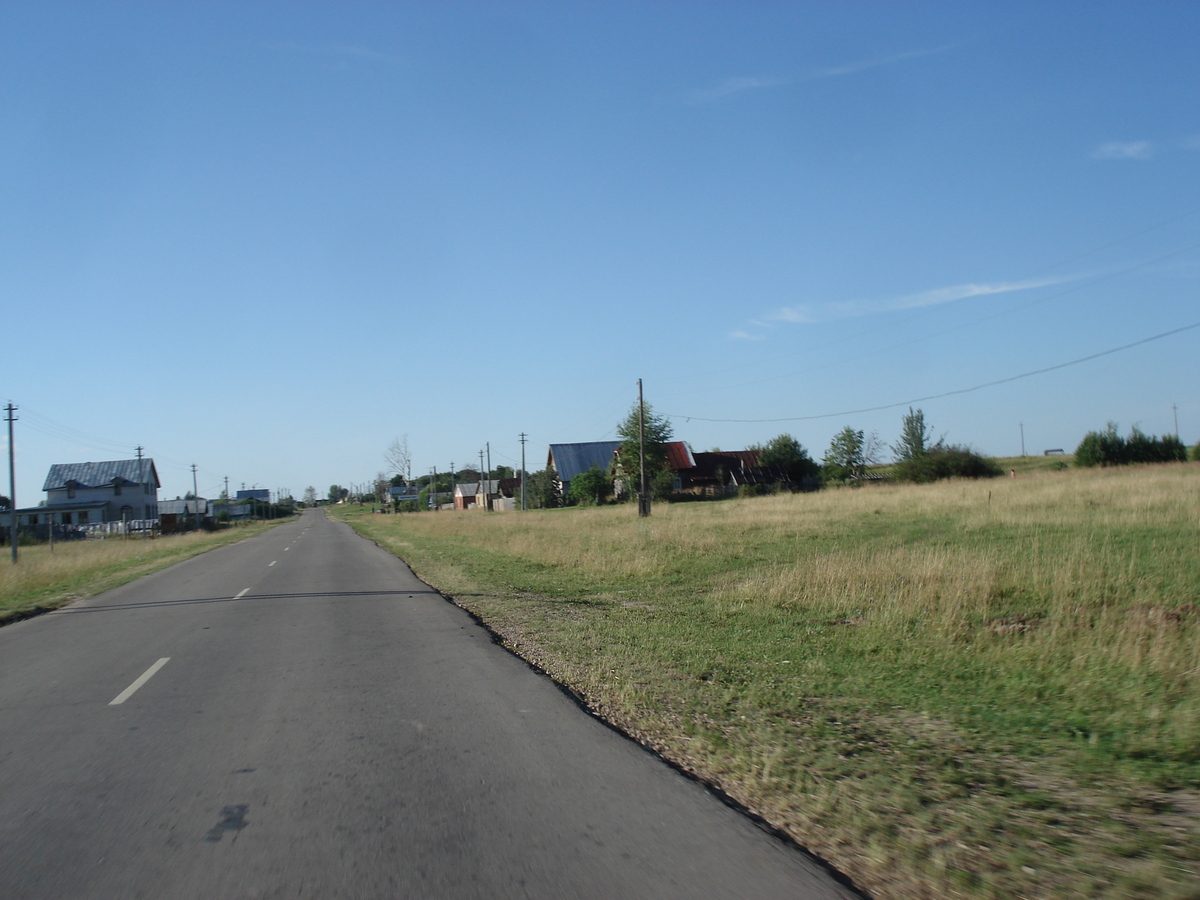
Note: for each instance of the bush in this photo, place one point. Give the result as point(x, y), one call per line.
point(591, 487)
point(1108, 448)
point(945, 461)
point(1196, 453)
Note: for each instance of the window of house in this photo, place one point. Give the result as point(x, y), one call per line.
point(116, 488)
point(70, 490)
point(66, 518)
point(33, 520)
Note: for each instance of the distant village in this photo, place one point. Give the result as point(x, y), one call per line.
point(120, 497)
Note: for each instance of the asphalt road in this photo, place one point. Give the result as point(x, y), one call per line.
point(324, 725)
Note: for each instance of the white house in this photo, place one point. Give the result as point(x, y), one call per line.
point(95, 492)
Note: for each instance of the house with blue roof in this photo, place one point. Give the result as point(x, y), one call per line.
point(569, 460)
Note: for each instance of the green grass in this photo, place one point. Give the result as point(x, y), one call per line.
point(988, 688)
point(46, 578)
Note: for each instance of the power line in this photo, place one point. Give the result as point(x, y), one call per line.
point(978, 387)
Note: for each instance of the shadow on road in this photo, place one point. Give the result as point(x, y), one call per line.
point(315, 595)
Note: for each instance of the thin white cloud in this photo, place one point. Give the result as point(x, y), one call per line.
point(1124, 150)
point(861, 65)
point(1191, 143)
point(732, 86)
point(744, 336)
point(809, 313)
point(741, 84)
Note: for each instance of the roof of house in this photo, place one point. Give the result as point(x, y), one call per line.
point(569, 460)
point(102, 474)
point(679, 455)
point(466, 489)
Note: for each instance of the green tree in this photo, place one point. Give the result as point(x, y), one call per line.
point(310, 496)
point(337, 492)
point(626, 462)
point(1108, 448)
point(789, 454)
point(914, 437)
point(844, 460)
point(541, 490)
point(591, 487)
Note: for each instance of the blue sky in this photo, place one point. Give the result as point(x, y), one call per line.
point(269, 238)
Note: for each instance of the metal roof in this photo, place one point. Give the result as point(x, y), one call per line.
point(679, 456)
point(570, 460)
point(101, 474)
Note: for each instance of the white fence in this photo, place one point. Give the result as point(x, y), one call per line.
point(101, 530)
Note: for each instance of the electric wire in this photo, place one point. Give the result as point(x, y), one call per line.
point(968, 390)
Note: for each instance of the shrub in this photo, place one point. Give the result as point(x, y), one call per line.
point(591, 487)
point(945, 461)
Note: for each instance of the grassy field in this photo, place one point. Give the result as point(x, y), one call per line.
point(973, 689)
point(45, 579)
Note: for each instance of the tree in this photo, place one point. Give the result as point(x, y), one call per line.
point(310, 496)
point(337, 492)
point(397, 456)
point(1108, 448)
point(873, 449)
point(591, 487)
point(5, 502)
point(626, 461)
point(844, 460)
point(914, 437)
point(541, 490)
point(789, 454)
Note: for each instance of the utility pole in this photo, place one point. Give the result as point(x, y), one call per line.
point(643, 493)
point(141, 478)
point(523, 439)
point(12, 482)
point(481, 484)
point(1022, 438)
point(196, 495)
point(1175, 412)
point(487, 494)
point(437, 503)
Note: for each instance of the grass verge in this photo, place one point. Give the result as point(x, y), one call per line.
point(967, 689)
point(44, 579)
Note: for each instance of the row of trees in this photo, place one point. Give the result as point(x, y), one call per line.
point(919, 458)
point(1108, 448)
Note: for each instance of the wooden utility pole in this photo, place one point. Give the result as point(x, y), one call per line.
point(12, 482)
point(643, 491)
point(196, 496)
point(523, 439)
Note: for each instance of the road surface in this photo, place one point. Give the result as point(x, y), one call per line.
point(297, 715)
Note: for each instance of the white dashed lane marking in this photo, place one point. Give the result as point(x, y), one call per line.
point(141, 679)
